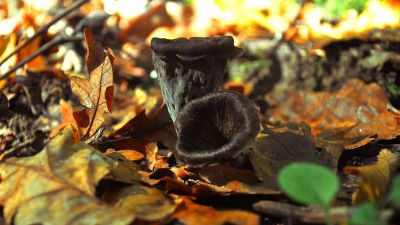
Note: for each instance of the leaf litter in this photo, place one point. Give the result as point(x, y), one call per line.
point(127, 172)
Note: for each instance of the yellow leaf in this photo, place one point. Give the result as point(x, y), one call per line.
point(149, 204)
point(374, 178)
point(57, 186)
point(7, 65)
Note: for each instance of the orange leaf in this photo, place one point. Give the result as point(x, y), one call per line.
point(193, 214)
point(66, 119)
point(38, 63)
point(129, 155)
point(96, 94)
point(360, 107)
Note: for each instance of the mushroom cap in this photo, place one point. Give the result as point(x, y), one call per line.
point(216, 127)
point(222, 46)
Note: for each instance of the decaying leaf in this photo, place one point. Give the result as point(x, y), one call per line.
point(61, 179)
point(96, 94)
point(142, 130)
point(360, 107)
point(374, 178)
point(193, 214)
point(276, 150)
point(149, 204)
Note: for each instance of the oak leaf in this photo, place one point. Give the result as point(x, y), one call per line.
point(61, 179)
point(96, 94)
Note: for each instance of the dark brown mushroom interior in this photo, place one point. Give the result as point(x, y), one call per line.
point(216, 127)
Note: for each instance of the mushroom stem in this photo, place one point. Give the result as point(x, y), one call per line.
point(216, 127)
point(190, 68)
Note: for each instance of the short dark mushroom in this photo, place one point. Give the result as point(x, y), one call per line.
point(190, 68)
point(216, 127)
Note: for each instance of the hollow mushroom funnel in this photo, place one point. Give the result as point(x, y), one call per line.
point(216, 127)
point(190, 68)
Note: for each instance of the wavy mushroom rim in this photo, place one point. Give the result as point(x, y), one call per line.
point(236, 143)
point(222, 46)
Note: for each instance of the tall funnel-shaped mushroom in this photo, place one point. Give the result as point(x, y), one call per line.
point(216, 127)
point(190, 68)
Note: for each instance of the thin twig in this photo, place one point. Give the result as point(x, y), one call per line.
point(45, 47)
point(11, 151)
point(44, 28)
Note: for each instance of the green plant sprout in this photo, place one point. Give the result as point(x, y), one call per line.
point(310, 184)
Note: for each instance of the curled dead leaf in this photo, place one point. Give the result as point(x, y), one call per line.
point(374, 178)
point(96, 94)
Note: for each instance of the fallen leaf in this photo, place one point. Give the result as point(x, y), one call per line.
point(276, 150)
point(130, 155)
point(142, 130)
point(7, 65)
point(61, 179)
point(67, 118)
point(374, 178)
point(38, 63)
point(193, 214)
point(151, 154)
point(141, 26)
point(96, 94)
point(149, 204)
point(358, 106)
point(224, 173)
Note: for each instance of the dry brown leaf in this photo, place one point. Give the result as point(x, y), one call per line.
point(96, 94)
point(142, 130)
point(223, 173)
point(374, 178)
point(275, 150)
point(144, 24)
point(149, 204)
point(61, 179)
point(193, 214)
point(360, 107)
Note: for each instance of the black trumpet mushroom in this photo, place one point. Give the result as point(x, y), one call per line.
point(216, 127)
point(190, 68)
